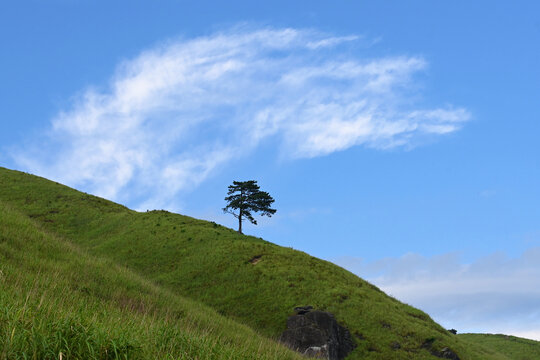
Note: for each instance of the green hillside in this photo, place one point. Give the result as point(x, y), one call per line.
point(56, 299)
point(513, 347)
point(244, 278)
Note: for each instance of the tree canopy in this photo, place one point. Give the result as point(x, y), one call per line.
point(245, 198)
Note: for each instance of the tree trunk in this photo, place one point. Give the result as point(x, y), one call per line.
point(240, 222)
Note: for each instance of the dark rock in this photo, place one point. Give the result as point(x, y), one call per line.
point(453, 331)
point(396, 345)
point(446, 353)
point(254, 260)
point(317, 333)
point(301, 310)
point(428, 343)
point(320, 352)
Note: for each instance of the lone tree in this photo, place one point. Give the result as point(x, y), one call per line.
point(245, 197)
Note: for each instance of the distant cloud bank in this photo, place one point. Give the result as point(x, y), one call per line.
point(173, 115)
point(494, 294)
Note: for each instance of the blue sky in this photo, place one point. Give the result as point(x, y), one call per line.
point(400, 140)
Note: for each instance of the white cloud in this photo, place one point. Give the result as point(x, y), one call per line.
point(173, 115)
point(494, 294)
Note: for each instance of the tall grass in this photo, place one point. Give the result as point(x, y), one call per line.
point(57, 302)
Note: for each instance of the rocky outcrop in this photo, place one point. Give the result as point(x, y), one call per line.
point(444, 353)
point(317, 334)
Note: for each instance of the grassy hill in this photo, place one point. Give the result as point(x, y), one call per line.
point(57, 299)
point(514, 348)
point(253, 283)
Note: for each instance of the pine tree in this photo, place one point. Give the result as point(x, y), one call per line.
point(246, 198)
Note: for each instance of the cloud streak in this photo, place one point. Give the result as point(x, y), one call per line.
point(494, 294)
point(176, 113)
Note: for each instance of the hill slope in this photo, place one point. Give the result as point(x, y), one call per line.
point(513, 347)
point(215, 265)
point(56, 299)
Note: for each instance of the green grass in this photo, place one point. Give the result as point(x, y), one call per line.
point(210, 264)
point(514, 348)
point(56, 299)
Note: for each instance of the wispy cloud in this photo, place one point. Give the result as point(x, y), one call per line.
point(494, 294)
point(176, 113)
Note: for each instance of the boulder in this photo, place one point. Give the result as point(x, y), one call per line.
point(444, 353)
point(317, 334)
point(301, 310)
